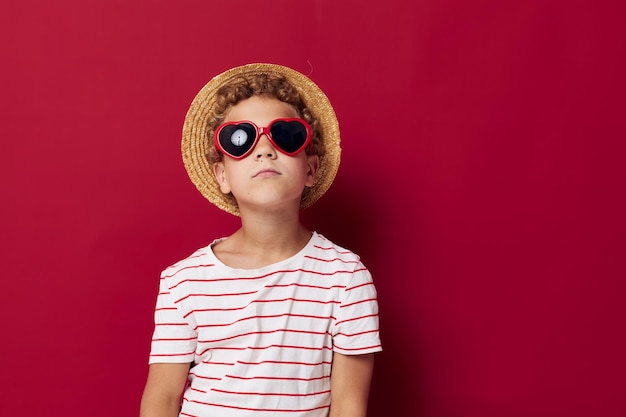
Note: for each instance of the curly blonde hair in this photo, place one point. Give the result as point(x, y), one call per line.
point(268, 85)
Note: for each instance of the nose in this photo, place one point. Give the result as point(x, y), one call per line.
point(264, 149)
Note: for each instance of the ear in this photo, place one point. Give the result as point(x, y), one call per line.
point(313, 164)
point(220, 175)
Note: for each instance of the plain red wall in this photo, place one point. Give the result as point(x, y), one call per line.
point(482, 182)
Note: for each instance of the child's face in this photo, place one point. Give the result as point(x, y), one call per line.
point(266, 178)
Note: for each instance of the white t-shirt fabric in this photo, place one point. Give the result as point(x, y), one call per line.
point(261, 341)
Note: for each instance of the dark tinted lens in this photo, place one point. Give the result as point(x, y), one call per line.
point(289, 136)
point(237, 139)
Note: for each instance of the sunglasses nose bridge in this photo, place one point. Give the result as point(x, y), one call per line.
point(263, 131)
point(264, 146)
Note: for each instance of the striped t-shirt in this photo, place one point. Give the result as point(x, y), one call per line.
point(261, 341)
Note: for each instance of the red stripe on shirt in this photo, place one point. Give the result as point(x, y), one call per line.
point(360, 348)
point(265, 348)
point(167, 355)
point(277, 378)
point(358, 333)
point(359, 286)
point(261, 409)
point(280, 271)
point(264, 317)
point(265, 332)
point(357, 302)
point(185, 268)
point(346, 252)
point(278, 394)
point(356, 318)
point(286, 363)
point(215, 295)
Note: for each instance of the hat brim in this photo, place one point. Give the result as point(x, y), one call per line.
point(196, 143)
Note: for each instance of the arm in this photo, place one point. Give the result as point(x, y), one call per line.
point(349, 384)
point(161, 396)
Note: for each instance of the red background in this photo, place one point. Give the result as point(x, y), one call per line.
point(482, 182)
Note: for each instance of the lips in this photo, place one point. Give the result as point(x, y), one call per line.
point(267, 172)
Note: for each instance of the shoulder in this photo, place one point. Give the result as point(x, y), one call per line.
point(324, 250)
point(321, 243)
point(199, 259)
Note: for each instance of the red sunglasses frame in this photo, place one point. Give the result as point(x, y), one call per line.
point(260, 131)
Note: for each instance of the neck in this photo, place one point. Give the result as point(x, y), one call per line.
point(272, 230)
point(265, 237)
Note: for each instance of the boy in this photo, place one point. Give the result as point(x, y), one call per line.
point(273, 320)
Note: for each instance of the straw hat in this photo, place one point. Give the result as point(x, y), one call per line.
point(196, 143)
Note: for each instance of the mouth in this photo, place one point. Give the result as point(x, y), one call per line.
point(267, 172)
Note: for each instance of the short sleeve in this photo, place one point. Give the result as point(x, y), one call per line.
point(356, 330)
point(173, 340)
